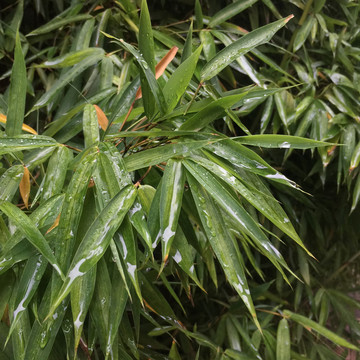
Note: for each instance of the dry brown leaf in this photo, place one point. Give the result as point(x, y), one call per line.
point(102, 119)
point(24, 187)
point(160, 67)
point(54, 225)
point(25, 127)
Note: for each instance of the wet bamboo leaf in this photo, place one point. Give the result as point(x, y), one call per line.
point(17, 92)
point(221, 243)
point(146, 48)
point(119, 298)
point(29, 230)
point(81, 296)
point(211, 112)
point(67, 77)
point(150, 77)
point(172, 190)
point(90, 125)
point(162, 153)
point(72, 58)
point(57, 23)
point(303, 32)
point(356, 194)
point(240, 47)
point(25, 142)
point(179, 81)
point(280, 141)
point(187, 49)
point(283, 345)
point(230, 11)
point(244, 221)
point(97, 240)
point(208, 43)
point(9, 182)
point(198, 15)
point(56, 172)
point(312, 325)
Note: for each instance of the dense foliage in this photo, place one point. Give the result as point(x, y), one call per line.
point(179, 179)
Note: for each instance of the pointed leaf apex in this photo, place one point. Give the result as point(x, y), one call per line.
point(289, 18)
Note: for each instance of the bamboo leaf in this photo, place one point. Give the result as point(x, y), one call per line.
point(172, 190)
point(146, 48)
point(248, 42)
point(25, 142)
point(29, 230)
point(280, 141)
point(221, 243)
point(230, 11)
point(90, 125)
point(17, 92)
point(283, 345)
point(96, 240)
point(179, 81)
point(10, 181)
point(312, 325)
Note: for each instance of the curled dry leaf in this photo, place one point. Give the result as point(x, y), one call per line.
point(24, 187)
point(102, 119)
point(25, 127)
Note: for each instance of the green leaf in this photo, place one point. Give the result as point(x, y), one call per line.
point(81, 296)
point(17, 92)
point(172, 189)
point(211, 112)
point(187, 49)
point(90, 125)
point(283, 345)
point(159, 154)
point(230, 11)
point(223, 246)
point(179, 80)
point(146, 48)
point(56, 172)
point(30, 231)
point(280, 141)
point(25, 142)
point(198, 15)
point(245, 223)
point(96, 240)
point(72, 58)
point(303, 32)
point(66, 78)
point(248, 42)
point(9, 182)
point(57, 23)
point(150, 77)
point(312, 325)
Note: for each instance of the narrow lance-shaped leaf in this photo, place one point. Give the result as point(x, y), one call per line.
point(312, 325)
point(283, 345)
point(90, 125)
point(17, 93)
point(9, 182)
point(101, 118)
point(96, 240)
point(230, 11)
point(56, 172)
point(221, 243)
point(27, 227)
point(187, 49)
point(172, 190)
point(24, 187)
point(25, 142)
point(235, 210)
point(146, 47)
point(179, 80)
point(240, 47)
